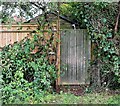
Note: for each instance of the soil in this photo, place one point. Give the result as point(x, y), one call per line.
point(76, 90)
point(81, 90)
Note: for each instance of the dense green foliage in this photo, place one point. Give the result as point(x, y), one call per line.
point(99, 18)
point(27, 75)
point(68, 98)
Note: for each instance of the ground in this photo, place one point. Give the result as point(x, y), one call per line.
point(79, 95)
point(92, 98)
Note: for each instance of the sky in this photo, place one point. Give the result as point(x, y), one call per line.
point(17, 11)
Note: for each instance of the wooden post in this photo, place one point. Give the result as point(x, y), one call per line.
point(58, 48)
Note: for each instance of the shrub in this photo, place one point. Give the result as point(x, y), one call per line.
point(25, 74)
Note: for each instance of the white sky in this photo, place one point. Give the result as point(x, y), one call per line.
point(0, 8)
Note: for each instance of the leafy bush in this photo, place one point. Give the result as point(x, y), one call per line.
point(27, 74)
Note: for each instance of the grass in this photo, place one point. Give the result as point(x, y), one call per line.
point(95, 98)
point(68, 98)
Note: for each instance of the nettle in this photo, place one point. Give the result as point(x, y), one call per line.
point(26, 74)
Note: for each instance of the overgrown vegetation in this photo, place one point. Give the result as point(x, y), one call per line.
point(100, 19)
point(27, 77)
point(68, 98)
point(25, 74)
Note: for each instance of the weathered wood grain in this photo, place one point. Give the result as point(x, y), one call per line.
point(75, 55)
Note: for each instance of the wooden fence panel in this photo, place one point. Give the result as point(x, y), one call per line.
point(11, 34)
point(75, 55)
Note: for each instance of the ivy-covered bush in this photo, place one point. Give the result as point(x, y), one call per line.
point(27, 75)
point(100, 25)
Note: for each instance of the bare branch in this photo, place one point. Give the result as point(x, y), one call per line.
point(118, 17)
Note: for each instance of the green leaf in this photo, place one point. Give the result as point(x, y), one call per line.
point(104, 20)
point(85, 20)
point(34, 65)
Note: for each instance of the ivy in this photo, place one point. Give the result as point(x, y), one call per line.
point(106, 51)
point(26, 74)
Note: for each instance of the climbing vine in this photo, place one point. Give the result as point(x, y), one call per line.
point(101, 27)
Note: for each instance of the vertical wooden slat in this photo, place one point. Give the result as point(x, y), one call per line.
point(0, 40)
point(4, 39)
point(78, 34)
point(67, 54)
point(65, 51)
point(69, 62)
point(77, 57)
point(11, 37)
point(81, 56)
point(84, 58)
point(88, 53)
point(62, 55)
point(70, 54)
point(74, 53)
point(14, 37)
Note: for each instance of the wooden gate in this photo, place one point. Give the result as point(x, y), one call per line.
point(75, 55)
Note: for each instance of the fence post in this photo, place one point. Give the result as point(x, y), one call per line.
point(58, 48)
